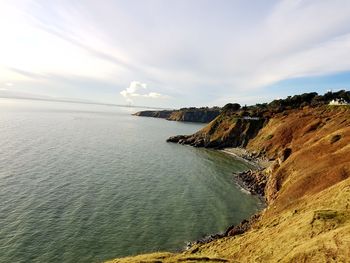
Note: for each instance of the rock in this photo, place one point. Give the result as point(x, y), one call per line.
point(176, 139)
point(254, 181)
point(242, 227)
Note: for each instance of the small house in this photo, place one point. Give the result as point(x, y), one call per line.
point(338, 102)
point(251, 118)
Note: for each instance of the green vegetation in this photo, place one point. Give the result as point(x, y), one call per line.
point(291, 102)
point(231, 107)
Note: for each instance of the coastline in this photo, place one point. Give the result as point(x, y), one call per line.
point(250, 181)
point(305, 183)
point(244, 181)
point(244, 155)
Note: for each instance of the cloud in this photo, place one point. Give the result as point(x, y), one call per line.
point(137, 89)
point(296, 40)
point(227, 49)
point(154, 95)
point(133, 88)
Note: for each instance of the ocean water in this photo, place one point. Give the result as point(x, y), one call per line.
point(87, 183)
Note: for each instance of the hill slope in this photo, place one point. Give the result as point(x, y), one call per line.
point(307, 192)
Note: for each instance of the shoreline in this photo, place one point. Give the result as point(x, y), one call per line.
point(250, 180)
point(305, 182)
point(244, 155)
point(244, 181)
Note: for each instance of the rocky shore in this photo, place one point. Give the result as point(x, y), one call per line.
point(253, 181)
point(256, 159)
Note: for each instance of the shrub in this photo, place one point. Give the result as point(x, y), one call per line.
point(231, 107)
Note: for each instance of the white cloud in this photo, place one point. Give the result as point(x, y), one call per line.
point(154, 95)
point(137, 89)
point(227, 50)
point(134, 88)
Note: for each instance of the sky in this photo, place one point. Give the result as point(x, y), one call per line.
point(173, 53)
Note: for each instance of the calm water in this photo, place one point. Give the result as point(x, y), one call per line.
point(86, 183)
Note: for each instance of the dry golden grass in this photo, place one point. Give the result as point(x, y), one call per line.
point(317, 229)
point(308, 215)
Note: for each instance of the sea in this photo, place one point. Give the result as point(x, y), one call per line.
point(88, 183)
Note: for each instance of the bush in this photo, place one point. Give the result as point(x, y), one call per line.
point(231, 107)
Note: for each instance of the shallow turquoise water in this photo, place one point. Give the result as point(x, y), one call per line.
point(86, 183)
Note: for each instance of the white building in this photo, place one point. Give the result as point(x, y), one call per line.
point(339, 102)
point(251, 118)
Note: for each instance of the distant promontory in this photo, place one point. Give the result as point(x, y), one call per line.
point(203, 115)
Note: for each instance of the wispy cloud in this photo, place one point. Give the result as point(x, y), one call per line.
point(225, 50)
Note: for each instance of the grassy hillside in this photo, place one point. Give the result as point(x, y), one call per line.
point(308, 189)
point(317, 229)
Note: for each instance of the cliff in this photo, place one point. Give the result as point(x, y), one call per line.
point(236, 125)
point(307, 187)
point(203, 115)
point(164, 114)
point(224, 131)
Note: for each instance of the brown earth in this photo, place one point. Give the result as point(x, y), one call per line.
point(307, 191)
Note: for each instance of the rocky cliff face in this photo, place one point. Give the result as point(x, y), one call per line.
point(164, 114)
point(203, 115)
point(224, 131)
point(307, 188)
